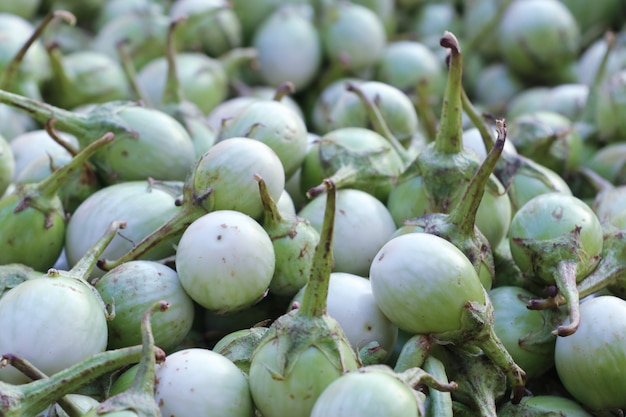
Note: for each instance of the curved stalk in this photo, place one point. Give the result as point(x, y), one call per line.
point(8, 75)
point(440, 403)
point(609, 273)
point(49, 127)
point(378, 121)
point(418, 376)
point(33, 397)
point(130, 72)
point(38, 195)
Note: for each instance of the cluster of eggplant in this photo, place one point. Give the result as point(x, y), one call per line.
point(312, 208)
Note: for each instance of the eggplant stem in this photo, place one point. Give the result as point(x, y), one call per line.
point(83, 267)
point(283, 90)
point(425, 111)
point(414, 352)
point(177, 223)
point(130, 72)
point(378, 121)
point(450, 133)
point(464, 213)
point(566, 283)
point(271, 212)
point(50, 186)
point(49, 127)
point(440, 401)
point(172, 92)
point(478, 121)
point(418, 376)
point(7, 77)
point(35, 396)
point(344, 176)
point(316, 291)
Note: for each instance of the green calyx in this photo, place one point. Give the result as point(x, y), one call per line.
point(34, 217)
point(292, 334)
point(353, 158)
point(459, 225)
point(239, 346)
point(540, 341)
point(11, 275)
point(443, 166)
point(567, 247)
point(611, 269)
point(306, 339)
